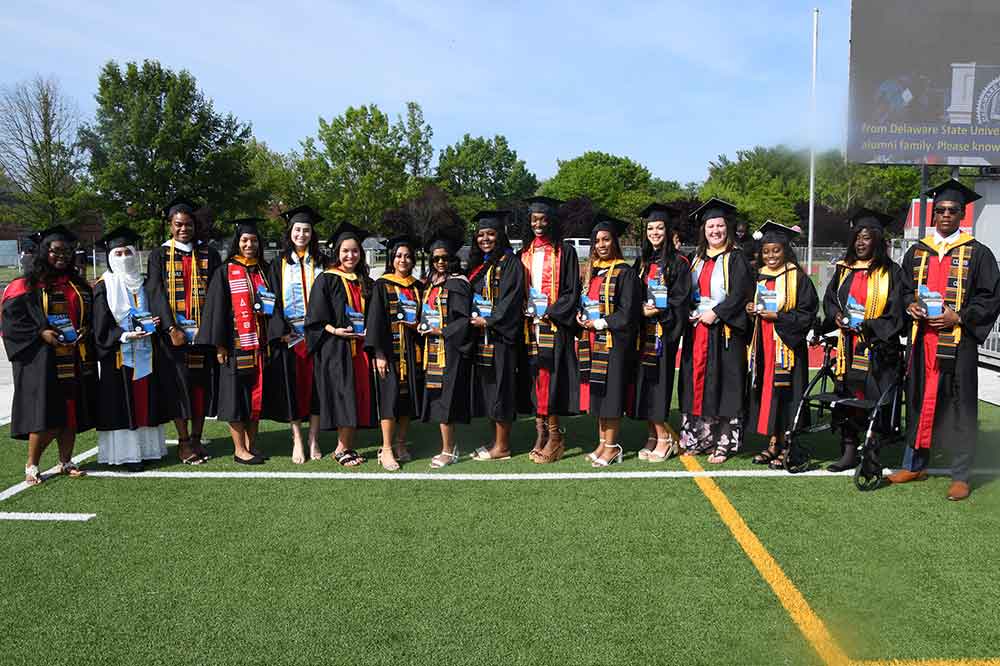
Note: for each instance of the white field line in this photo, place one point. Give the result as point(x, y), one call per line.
point(39, 517)
point(21, 487)
point(523, 476)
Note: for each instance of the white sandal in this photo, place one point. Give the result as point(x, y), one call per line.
point(483, 453)
point(671, 452)
point(387, 466)
point(31, 475)
point(592, 456)
point(645, 451)
point(601, 462)
point(444, 459)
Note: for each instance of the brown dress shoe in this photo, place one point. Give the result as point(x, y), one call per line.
point(905, 476)
point(958, 490)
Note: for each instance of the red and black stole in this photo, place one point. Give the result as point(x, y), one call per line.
point(64, 297)
point(244, 276)
point(540, 338)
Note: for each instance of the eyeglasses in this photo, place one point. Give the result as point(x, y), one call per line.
point(438, 258)
point(947, 210)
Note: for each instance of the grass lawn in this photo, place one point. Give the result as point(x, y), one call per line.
point(269, 571)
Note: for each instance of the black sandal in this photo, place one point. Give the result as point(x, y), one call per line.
point(200, 449)
point(193, 458)
point(778, 462)
point(766, 456)
point(348, 458)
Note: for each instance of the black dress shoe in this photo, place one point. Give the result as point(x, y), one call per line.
point(256, 460)
point(134, 467)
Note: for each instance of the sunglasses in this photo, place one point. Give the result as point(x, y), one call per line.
point(947, 210)
point(60, 253)
point(439, 258)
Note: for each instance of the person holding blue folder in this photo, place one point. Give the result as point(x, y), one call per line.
point(497, 280)
point(138, 388)
point(961, 274)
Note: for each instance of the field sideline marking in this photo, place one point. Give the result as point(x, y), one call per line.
point(798, 608)
point(36, 516)
point(926, 662)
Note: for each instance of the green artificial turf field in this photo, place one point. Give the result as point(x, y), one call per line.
point(549, 571)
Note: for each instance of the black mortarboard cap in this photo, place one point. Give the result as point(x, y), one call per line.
point(179, 204)
point(491, 219)
point(58, 232)
point(118, 237)
point(657, 212)
point(246, 225)
point(302, 215)
point(713, 208)
point(772, 232)
point(450, 239)
point(607, 223)
point(866, 217)
point(347, 228)
point(546, 205)
point(952, 190)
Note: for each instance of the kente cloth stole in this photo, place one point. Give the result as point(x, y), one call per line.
point(178, 291)
point(346, 279)
point(247, 324)
point(54, 303)
point(485, 351)
point(857, 358)
point(958, 287)
point(541, 338)
point(650, 342)
point(603, 341)
point(786, 284)
point(699, 263)
point(393, 285)
point(434, 360)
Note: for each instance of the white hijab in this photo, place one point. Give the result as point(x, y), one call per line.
point(123, 281)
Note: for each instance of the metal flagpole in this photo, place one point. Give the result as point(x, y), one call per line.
point(812, 143)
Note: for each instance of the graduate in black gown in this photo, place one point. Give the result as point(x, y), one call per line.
point(48, 336)
point(659, 267)
point(497, 280)
point(396, 349)
point(609, 318)
point(335, 334)
point(783, 312)
point(240, 301)
point(549, 371)
point(952, 293)
point(868, 285)
point(712, 384)
point(448, 342)
point(288, 380)
point(137, 385)
point(178, 274)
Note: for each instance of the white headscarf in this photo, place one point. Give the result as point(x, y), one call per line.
point(123, 281)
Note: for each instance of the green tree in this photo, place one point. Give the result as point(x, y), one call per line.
point(481, 173)
point(604, 179)
point(355, 168)
point(40, 160)
point(416, 146)
point(155, 135)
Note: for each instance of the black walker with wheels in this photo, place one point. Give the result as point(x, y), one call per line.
point(883, 423)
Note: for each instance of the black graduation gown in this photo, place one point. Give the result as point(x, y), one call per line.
point(39, 402)
point(235, 398)
point(724, 389)
point(333, 366)
point(116, 409)
point(564, 380)
point(654, 384)
point(793, 328)
point(381, 325)
point(159, 305)
point(494, 383)
point(280, 380)
point(882, 333)
point(608, 398)
point(451, 403)
point(955, 421)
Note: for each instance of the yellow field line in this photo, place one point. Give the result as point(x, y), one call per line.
point(804, 617)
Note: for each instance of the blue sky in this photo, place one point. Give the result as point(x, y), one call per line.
point(671, 84)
